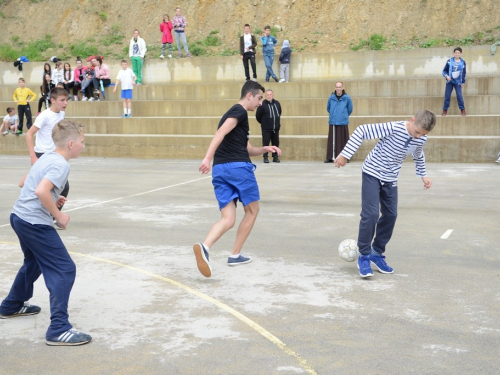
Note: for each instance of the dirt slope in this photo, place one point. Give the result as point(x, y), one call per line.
point(311, 26)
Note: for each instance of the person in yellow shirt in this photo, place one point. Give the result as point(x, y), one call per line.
point(23, 96)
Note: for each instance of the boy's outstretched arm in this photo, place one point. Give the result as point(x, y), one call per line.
point(228, 125)
point(256, 151)
point(42, 191)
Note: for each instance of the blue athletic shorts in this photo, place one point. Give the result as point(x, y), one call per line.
point(235, 181)
point(126, 94)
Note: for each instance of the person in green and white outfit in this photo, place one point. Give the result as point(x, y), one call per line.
point(136, 52)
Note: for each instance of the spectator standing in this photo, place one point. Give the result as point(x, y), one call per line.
point(339, 107)
point(180, 23)
point(268, 43)
point(285, 54)
point(248, 43)
point(127, 79)
point(268, 115)
point(58, 73)
point(166, 36)
point(10, 121)
point(455, 71)
point(23, 96)
point(137, 51)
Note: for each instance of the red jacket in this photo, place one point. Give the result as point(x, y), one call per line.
point(166, 29)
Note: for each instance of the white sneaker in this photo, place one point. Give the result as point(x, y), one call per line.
point(498, 160)
point(91, 99)
point(7, 132)
point(162, 57)
point(84, 99)
point(282, 80)
point(76, 98)
point(169, 56)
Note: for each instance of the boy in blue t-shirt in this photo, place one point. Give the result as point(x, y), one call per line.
point(379, 189)
point(44, 252)
point(233, 176)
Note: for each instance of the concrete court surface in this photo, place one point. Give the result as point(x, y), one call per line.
point(298, 308)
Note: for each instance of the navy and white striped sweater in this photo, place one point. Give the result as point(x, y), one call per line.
point(385, 160)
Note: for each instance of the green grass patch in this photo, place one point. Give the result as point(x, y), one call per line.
point(83, 50)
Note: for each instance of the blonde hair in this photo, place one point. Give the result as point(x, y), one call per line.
point(66, 130)
point(425, 119)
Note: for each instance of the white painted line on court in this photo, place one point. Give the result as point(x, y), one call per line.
point(129, 196)
point(256, 327)
point(446, 234)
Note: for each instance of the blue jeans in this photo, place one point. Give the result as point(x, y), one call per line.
point(377, 197)
point(268, 60)
point(178, 38)
point(447, 95)
point(44, 253)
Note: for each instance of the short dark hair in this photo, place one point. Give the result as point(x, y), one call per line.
point(9, 109)
point(425, 119)
point(457, 49)
point(246, 25)
point(267, 27)
point(251, 86)
point(124, 61)
point(57, 92)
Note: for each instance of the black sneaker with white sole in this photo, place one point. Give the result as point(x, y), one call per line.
point(27, 309)
point(71, 337)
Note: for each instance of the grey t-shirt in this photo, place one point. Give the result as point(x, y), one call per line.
point(53, 167)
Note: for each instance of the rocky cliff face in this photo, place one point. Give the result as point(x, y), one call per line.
point(311, 26)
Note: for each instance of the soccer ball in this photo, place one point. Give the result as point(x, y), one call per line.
point(348, 250)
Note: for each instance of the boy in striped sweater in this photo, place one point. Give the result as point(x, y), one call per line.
point(379, 181)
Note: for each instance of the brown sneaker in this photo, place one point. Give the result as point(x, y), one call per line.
point(445, 112)
point(463, 112)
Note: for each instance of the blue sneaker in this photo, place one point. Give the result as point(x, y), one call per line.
point(124, 116)
point(202, 259)
point(27, 309)
point(237, 261)
point(69, 338)
point(379, 262)
point(364, 266)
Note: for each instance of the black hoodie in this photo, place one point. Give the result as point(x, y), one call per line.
point(269, 115)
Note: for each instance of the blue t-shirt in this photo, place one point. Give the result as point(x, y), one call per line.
point(53, 167)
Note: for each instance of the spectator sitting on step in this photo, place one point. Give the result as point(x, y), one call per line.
point(45, 89)
point(47, 69)
point(87, 82)
point(58, 73)
point(79, 76)
point(11, 121)
point(101, 76)
point(68, 78)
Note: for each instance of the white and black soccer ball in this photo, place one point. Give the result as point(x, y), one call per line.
point(348, 250)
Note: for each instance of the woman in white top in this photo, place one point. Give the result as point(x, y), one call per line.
point(57, 73)
point(68, 77)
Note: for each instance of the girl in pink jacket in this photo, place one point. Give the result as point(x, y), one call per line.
point(166, 38)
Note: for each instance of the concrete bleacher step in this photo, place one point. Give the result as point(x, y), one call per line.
point(300, 125)
point(294, 90)
point(477, 149)
point(368, 106)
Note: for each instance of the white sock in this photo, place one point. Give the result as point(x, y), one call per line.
point(234, 256)
point(124, 111)
point(130, 111)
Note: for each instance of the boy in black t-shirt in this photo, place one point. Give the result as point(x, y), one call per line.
point(233, 176)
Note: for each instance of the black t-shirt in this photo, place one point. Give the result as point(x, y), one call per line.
point(233, 147)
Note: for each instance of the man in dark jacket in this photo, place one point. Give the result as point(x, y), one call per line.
point(268, 115)
point(248, 42)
